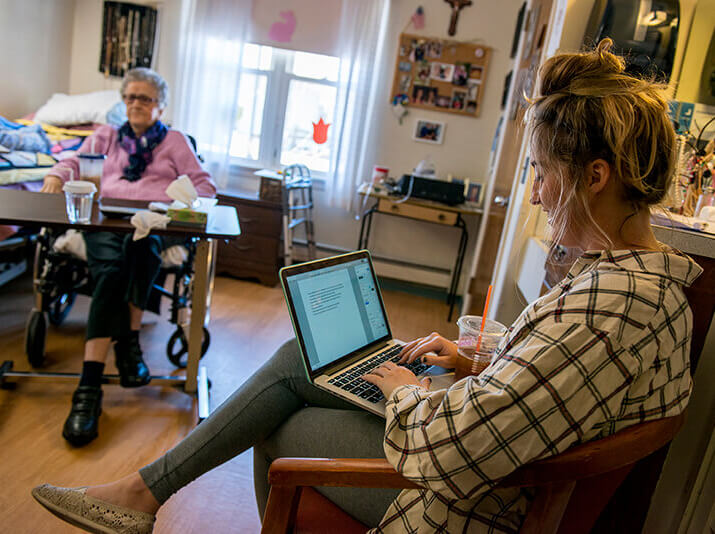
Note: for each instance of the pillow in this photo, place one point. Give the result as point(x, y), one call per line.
point(63, 110)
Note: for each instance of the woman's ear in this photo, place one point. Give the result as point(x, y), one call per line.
point(598, 174)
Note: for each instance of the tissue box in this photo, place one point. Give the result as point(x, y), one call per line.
point(196, 216)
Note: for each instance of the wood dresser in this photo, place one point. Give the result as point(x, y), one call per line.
point(256, 252)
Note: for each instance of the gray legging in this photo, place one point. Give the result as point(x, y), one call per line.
point(279, 413)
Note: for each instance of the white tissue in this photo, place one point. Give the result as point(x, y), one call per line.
point(145, 220)
point(182, 190)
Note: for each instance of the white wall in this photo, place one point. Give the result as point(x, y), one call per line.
point(87, 46)
point(36, 37)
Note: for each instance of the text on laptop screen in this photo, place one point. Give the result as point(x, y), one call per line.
point(338, 310)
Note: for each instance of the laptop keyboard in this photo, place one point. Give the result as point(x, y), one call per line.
point(352, 381)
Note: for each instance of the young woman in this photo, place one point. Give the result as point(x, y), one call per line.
point(605, 349)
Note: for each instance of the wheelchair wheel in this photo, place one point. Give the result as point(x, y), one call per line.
point(35, 334)
point(177, 349)
point(60, 308)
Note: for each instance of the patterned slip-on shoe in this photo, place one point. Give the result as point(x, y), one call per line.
point(90, 514)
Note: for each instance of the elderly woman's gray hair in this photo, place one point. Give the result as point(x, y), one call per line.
point(142, 74)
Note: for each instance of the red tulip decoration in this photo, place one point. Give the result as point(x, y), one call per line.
point(320, 132)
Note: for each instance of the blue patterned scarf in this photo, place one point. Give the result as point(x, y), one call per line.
point(140, 150)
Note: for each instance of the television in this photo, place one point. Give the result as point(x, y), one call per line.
point(645, 32)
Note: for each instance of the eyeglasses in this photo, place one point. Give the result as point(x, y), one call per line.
point(143, 99)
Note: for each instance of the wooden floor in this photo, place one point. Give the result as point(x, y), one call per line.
point(248, 322)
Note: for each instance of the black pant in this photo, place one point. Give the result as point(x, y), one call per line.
point(123, 271)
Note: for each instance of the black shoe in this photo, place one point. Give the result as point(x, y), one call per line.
point(81, 424)
point(133, 372)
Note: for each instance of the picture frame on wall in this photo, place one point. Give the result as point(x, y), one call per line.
point(428, 131)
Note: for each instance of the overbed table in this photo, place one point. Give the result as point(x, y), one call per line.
point(26, 208)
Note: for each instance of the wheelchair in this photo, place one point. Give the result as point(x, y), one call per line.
point(60, 273)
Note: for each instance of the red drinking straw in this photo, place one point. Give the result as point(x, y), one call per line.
point(484, 317)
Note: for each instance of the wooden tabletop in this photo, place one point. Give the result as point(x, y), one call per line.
point(465, 209)
point(25, 208)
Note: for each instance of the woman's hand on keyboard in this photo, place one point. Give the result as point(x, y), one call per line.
point(389, 376)
point(445, 351)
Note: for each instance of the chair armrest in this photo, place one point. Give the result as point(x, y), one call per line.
point(598, 457)
point(343, 472)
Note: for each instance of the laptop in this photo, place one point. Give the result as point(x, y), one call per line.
point(341, 326)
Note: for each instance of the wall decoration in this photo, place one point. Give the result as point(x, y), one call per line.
point(473, 89)
point(461, 73)
point(320, 132)
point(418, 18)
point(457, 6)
point(423, 94)
point(282, 32)
point(459, 99)
point(449, 75)
point(428, 131)
point(128, 37)
point(473, 193)
point(442, 71)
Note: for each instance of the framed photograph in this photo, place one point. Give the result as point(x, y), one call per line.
point(442, 101)
point(473, 89)
point(474, 193)
point(423, 70)
point(443, 72)
point(434, 49)
point(459, 99)
point(429, 131)
point(461, 73)
point(405, 82)
point(424, 94)
point(471, 107)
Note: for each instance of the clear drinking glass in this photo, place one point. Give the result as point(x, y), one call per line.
point(79, 196)
point(475, 348)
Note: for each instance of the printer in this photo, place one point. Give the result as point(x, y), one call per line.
point(450, 193)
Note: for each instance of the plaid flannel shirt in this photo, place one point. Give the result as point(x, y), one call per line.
point(607, 348)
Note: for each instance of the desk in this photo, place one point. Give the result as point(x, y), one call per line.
point(26, 208)
point(421, 210)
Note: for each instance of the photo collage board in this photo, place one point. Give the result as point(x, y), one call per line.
point(440, 74)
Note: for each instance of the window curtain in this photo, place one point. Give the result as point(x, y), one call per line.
point(210, 68)
point(362, 32)
point(207, 96)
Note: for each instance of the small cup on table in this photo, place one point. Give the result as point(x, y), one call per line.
point(471, 361)
point(91, 167)
point(79, 195)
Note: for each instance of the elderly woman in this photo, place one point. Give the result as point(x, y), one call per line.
point(142, 158)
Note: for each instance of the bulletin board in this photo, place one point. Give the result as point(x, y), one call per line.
point(440, 74)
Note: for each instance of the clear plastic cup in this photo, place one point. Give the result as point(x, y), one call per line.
point(91, 167)
point(79, 195)
point(471, 361)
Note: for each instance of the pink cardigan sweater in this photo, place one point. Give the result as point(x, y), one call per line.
point(171, 158)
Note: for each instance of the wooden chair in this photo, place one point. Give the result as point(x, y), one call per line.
point(572, 489)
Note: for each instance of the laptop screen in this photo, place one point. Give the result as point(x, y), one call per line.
point(337, 309)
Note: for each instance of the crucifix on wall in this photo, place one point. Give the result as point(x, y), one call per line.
point(457, 6)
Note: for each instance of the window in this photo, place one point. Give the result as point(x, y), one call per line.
point(281, 94)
